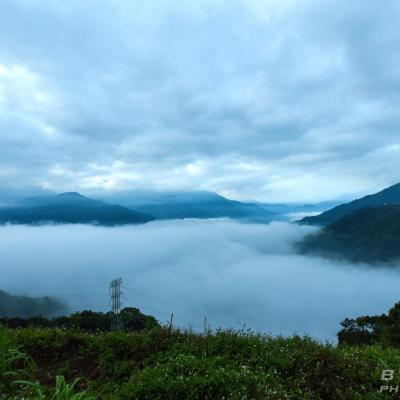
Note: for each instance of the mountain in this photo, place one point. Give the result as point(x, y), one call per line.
point(9, 195)
point(297, 208)
point(390, 195)
point(70, 208)
point(196, 204)
point(294, 211)
point(26, 307)
point(368, 235)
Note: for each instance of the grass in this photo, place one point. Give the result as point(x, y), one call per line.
point(17, 372)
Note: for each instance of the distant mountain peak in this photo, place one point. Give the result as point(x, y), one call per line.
point(71, 194)
point(190, 204)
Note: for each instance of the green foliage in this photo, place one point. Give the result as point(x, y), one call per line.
point(62, 391)
point(16, 371)
point(189, 377)
point(383, 329)
point(14, 364)
point(86, 320)
point(134, 320)
point(159, 364)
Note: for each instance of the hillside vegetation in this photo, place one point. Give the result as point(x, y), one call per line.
point(25, 307)
point(172, 364)
point(87, 320)
point(367, 235)
point(82, 361)
point(383, 329)
point(390, 195)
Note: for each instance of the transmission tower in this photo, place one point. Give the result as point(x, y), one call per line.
point(116, 304)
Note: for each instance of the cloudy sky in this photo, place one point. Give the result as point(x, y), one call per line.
point(263, 99)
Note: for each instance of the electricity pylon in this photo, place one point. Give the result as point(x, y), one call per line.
point(116, 304)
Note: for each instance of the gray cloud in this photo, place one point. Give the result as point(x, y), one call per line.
point(253, 99)
point(232, 273)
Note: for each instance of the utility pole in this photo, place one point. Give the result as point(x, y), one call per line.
point(116, 304)
point(171, 323)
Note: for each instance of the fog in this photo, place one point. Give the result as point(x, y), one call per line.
point(234, 274)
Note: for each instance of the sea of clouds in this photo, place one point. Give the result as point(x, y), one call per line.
point(233, 274)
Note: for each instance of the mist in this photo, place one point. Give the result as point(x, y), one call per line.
point(233, 274)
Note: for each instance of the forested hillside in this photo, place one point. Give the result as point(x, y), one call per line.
point(367, 235)
point(390, 195)
point(25, 307)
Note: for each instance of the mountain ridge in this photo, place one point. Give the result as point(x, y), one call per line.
point(390, 195)
point(69, 207)
point(193, 204)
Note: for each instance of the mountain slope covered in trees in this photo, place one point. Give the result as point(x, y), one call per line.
point(25, 307)
point(390, 195)
point(367, 235)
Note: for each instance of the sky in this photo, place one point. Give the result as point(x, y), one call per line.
point(233, 274)
point(275, 101)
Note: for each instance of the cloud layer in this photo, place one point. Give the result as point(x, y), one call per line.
point(234, 274)
point(288, 100)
